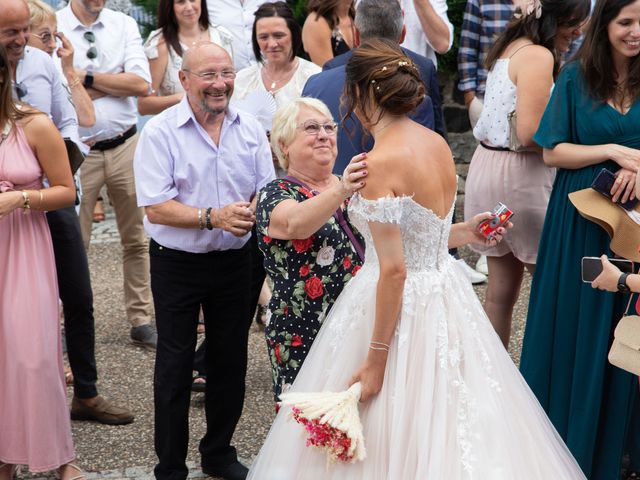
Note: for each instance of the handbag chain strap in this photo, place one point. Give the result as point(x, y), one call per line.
point(626, 312)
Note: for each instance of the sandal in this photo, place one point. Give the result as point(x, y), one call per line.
point(75, 467)
point(98, 211)
point(261, 315)
point(68, 376)
point(13, 469)
point(199, 383)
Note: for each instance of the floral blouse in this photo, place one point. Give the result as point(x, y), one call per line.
point(308, 275)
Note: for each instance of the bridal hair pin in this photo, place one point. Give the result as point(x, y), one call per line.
point(532, 6)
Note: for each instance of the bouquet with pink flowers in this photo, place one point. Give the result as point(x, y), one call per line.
point(331, 420)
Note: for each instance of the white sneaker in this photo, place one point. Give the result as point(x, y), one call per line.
point(481, 265)
point(473, 276)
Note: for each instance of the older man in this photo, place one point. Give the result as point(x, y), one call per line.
point(110, 61)
point(38, 83)
point(198, 167)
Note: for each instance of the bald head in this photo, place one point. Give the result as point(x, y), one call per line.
point(14, 28)
point(202, 51)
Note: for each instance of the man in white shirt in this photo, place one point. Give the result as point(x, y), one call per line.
point(429, 30)
point(110, 61)
point(237, 17)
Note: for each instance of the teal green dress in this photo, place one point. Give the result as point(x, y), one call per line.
point(570, 325)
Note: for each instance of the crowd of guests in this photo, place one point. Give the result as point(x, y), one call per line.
point(210, 199)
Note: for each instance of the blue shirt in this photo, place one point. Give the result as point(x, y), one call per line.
point(328, 85)
point(483, 22)
point(176, 160)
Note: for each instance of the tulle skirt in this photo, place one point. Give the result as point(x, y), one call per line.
point(453, 404)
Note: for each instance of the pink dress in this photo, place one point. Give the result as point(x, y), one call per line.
point(35, 429)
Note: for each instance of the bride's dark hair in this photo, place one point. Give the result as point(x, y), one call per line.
point(380, 76)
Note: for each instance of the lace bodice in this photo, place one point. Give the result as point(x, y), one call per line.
point(424, 234)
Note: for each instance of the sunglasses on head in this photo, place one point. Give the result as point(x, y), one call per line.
point(92, 53)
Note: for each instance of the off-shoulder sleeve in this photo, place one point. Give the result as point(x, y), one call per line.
point(269, 197)
point(558, 124)
point(381, 210)
point(151, 45)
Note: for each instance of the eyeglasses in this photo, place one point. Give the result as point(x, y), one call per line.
point(211, 77)
point(311, 127)
point(46, 37)
point(92, 53)
point(21, 90)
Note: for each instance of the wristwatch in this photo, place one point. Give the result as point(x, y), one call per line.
point(88, 79)
point(622, 283)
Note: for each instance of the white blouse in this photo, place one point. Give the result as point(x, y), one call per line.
point(250, 79)
point(171, 81)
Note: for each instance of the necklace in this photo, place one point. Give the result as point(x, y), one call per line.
point(192, 43)
point(273, 81)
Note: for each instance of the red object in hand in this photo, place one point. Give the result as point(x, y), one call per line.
point(501, 215)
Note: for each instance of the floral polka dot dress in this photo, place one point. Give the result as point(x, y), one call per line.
point(308, 275)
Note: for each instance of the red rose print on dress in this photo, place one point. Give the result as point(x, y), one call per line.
point(355, 270)
point(346, 263)
point(305, 192)
point(285, 310)
point(313, 287)
point(302, 246)
point(304, 270)
point(267, 239)
point(278, 354)
point(296, 341)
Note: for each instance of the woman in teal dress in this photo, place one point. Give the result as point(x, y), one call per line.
point(592, 122)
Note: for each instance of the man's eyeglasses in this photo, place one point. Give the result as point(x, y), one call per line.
point(46, 37)
point(311, 127)
point(211, 77)
point(92, 53)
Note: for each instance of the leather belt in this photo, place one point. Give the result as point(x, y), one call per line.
point(115, 141)
point(495, 149)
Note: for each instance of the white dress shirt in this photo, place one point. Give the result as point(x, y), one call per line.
point(237, 16)
point(416, 40)
point(41, 86)
point(119, 47)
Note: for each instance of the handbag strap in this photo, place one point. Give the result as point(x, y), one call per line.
point(626, 311)
point(339, 216)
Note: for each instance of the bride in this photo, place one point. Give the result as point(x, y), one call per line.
point(441, 399)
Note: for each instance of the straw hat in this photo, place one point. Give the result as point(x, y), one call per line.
point(624, 232)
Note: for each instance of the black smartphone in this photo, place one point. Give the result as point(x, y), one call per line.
point(592, 267)
point(603, 183)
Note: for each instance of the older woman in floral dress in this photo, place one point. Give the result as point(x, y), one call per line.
point(310, 249)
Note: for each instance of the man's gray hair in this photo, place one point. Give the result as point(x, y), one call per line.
point(379, 19)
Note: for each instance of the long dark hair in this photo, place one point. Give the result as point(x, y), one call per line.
point(541, 31)
point(380, 74)
point(168, 22)
point(282, 10)
point(9, 112)
point(596, 59)
point(327, 9)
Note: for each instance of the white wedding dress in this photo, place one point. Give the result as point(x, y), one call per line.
point(453, 404)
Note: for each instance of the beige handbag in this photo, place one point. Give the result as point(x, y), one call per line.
point(625, 350)
point(514, 143)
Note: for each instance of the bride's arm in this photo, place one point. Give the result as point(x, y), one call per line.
point(388, 244)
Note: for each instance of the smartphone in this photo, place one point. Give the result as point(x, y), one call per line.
point(592, 267)
point(488, 228)
point(603, 183)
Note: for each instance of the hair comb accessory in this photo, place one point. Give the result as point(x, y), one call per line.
point(532, 6)
point(384, 69)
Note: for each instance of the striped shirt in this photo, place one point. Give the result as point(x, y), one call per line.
point(483, 21)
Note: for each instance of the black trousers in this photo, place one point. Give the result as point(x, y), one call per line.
point(181, 282)
point(74, 284)
point(257, 279)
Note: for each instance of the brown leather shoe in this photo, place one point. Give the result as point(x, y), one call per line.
point(101, 411)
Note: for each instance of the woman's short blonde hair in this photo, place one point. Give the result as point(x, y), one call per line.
point(285, 123)
point(40, 13)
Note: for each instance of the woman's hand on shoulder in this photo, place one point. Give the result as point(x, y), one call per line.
point(354, 175)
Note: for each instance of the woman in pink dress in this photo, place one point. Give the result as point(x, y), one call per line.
point(34, 420)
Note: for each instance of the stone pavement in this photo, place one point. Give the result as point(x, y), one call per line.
point(126, 373)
